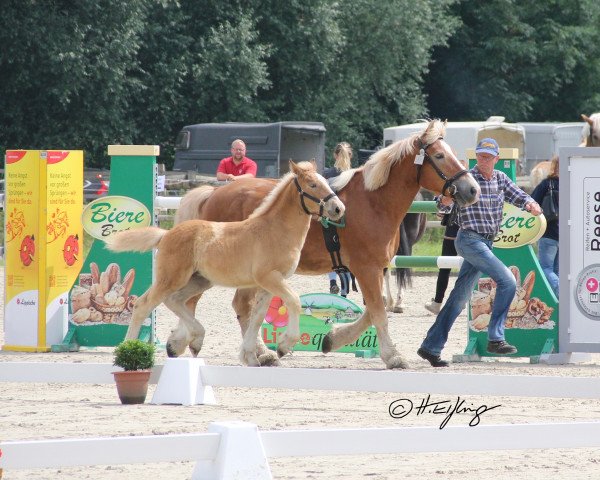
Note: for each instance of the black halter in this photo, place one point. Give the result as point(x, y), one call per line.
point(318, 201)
point(423, 157)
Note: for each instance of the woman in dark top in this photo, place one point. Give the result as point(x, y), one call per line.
point(548, 244)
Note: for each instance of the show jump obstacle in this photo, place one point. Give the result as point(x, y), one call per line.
point(108, 284)
point(44, 245)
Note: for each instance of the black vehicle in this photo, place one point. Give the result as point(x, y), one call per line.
point(201, 147)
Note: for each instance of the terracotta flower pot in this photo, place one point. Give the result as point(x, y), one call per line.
point(132, 386)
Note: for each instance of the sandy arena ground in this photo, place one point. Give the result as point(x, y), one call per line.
point(43, 411)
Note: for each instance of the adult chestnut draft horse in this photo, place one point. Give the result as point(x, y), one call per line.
point(377, 196)
point(197, 254)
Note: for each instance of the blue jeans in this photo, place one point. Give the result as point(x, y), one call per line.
point(478, 258)
point(548, 257)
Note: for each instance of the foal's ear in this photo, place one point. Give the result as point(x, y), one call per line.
point(313, 162)
point(586, 118)
point(293, 167)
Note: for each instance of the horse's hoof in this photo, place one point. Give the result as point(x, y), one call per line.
point(268, 360)
point(398, 310)
point(282, 351)
point(327, 344)
point(195, 348)
point(396, 362)
point(249, 359)
point(170, 352)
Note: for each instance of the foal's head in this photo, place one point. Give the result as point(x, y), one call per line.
point(316, 195)
point(591, 130)
point(440, 171)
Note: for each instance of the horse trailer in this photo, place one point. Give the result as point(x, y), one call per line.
point(544, 139)
point(201, 147)
point(462, 136)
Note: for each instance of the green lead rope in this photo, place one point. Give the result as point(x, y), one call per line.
point(326, 222)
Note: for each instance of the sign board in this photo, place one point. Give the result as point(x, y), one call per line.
point(101, 303)
point(44, 244)
point(532, 321)
point(320, 312)
point(580, 249)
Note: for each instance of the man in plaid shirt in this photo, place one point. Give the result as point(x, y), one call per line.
point(479, 224)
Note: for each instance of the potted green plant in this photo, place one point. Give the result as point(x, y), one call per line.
point(136, 358)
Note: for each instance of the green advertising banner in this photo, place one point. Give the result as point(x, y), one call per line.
point(109, 283)
point(532, 321)
point(320, 312)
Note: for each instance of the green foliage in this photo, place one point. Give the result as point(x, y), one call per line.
point(134, 355)
point(523, 60)
point(88, 74)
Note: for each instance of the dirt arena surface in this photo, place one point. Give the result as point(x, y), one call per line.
point(44, 411)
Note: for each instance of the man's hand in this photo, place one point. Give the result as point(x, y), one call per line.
point(533, 208)
point(446, 201)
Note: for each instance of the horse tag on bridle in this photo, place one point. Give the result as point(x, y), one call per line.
point(420, 157)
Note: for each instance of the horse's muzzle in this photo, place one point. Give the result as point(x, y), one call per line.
point(467, 190)
point(334, 209)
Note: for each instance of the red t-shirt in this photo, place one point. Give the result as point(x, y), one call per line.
point(246, 166)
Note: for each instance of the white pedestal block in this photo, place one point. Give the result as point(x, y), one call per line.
point(241, 454)
point(180, 383)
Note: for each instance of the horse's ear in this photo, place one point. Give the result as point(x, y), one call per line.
point(293, 167)
point(314, 163)
point(586, 118)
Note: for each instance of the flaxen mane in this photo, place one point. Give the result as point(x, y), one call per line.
point(273, 194)
point(287, 178)
point(377, 169)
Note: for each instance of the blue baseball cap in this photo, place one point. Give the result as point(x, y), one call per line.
point(488, 145)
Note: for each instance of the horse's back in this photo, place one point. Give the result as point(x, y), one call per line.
point(236, 200)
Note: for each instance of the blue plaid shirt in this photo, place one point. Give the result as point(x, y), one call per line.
point(485, 216)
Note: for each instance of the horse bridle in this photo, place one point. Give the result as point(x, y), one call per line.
point(423, 156)
point(318, 201)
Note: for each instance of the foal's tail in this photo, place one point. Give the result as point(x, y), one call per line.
point(138, 240)
point(192, 203)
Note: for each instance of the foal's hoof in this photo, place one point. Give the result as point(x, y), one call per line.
point(282, 351)
point(398, 310)
point(396, 362)
point(327, 344)
point(268, 360)
point(195, 348)
point(171, 353)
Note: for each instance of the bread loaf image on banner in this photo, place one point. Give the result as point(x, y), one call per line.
point(525, 311)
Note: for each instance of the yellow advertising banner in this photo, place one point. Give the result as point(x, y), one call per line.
point(43, 241)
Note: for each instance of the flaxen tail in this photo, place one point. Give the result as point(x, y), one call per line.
point(138, 240)
point(192, 202)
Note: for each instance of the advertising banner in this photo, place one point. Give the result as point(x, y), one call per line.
point(43, 239)
point(102, 300)
point(580, 249)
point(532, 321)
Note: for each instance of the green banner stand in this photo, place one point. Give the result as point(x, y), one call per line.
point(532, 322)
point(320, 312)
point(100, 303)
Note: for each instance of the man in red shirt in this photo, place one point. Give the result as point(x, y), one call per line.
point(238, 165)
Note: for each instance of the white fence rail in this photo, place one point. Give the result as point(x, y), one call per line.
point(225, 454)
point(321, 379)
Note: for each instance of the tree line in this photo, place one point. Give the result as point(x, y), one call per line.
point(85, 74)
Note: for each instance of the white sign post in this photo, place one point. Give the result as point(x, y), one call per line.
point(579, 316)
